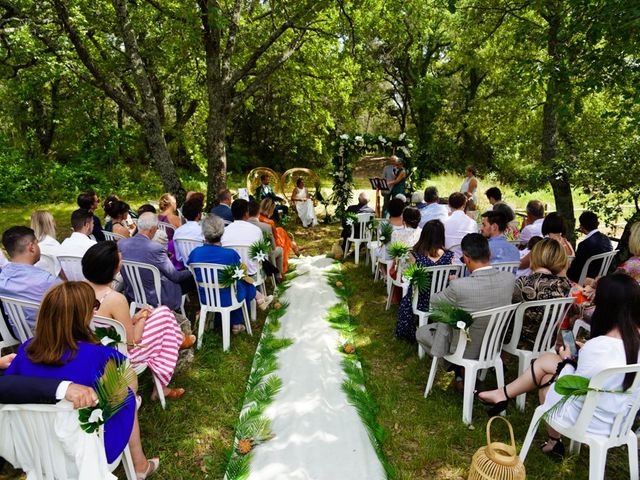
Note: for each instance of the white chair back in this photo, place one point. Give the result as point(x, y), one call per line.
point(133, 274)
point(364, 234)
point(207, 277)
point(166, 227)
point(511, 267)
point(104, 322)
point(605, 260)
point(184, 246)
point(112, 236)
point(72, 267)
point(6, 336)
point(49, 263)
point(16, 311)
point(439, 280)
point(499, 319)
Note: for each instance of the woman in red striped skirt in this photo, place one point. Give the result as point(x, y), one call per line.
point(153, 336)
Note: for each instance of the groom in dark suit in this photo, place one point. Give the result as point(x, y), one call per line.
point(594, 243)
point(266, 191)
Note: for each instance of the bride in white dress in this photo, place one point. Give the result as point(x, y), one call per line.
point(304, 205)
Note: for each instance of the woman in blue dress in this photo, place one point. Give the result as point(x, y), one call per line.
point(213, 252)
point(428, 252)
point(65, 348)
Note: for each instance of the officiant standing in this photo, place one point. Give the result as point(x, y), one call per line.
point(389, 174)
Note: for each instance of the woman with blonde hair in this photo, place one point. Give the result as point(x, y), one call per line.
point(267, 207)
point(632, 265)
point(168, 206)
point(65, 348)
point(548, 280)
point(44, 226)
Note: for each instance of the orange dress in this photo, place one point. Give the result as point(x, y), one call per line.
point(282, 240)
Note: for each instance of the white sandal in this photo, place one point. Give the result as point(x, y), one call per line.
point(152, 466)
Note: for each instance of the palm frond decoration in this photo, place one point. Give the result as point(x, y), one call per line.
point(350, 218)
point(399, 250)
point(451, 315)
point(419, 277)
point(372, 224)
point(112, 389)
point(107, 336)
point(231, 274)
point(386, 230)
point(259, 250)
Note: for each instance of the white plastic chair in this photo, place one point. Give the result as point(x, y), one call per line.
point(184, 246)
point(439, 281)
point(36, 449)
point(132, 273)
point(621, 430)
point(578, 324)
point(112, 236)
point(489, 357)
point(364, 235)
point(511, 267)
point(553, 311)
point(260, 280)
point(6, 336)
point(99, 321)
point(209, 287)
point(49, 263)
point(16, 311)
point(605, 259)
point(166, 227)
point(399, 281)
point(72, 267)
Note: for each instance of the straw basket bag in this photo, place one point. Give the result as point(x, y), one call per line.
point(497, 461)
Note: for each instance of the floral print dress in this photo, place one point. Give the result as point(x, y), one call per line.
point(406, 324)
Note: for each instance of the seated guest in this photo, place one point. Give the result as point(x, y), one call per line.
point(494, 195)
point(65, 348)
point(418, 200)
point(154, 337)
point(168, 206)
point(213, 252)
point(20, 278)
point(223, 209)
point(428, 252)
point(79, 242)
point(118, 212)
point(592, 244)
point(361, 207)
point(493, 226)
point(554, 227)
point(532, 225)
point(458, 224)
point(395, 208)
point(266, 191)
point(241, 233)
point(191, 230)
point(44, 227)
point(615, 341)
point(192, 194)
point(511, 232)
point(301, 198)
point(484, 289)
point(410, 232)
point(140, 248)
point(548, 262)
point(267, 209)
point(632, 265)
point(89, 201)
point(432, 209)
point(275, 256)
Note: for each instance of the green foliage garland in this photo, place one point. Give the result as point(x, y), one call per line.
point(453, 316)
point(259, 250)
point(230, 274)
point(108, 336)
point(419, 277)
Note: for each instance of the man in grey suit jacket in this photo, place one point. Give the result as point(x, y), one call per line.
point(140, 248)
point(484, 289)
point(275, 256)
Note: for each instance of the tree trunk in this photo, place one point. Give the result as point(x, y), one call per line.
point(216, 153)
point(559, 179)
point(162, 160)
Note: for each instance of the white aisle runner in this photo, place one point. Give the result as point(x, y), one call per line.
point(318, 435)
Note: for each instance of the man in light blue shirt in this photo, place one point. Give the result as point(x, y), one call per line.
point(494, 224)
point(20, 279)
point(432, 210)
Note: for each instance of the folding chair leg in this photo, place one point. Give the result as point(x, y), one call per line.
point(184, 298)
point(346, 250)
point(245, 315)
point(356, 246)
point(421, 351)
point(156, 381)
point(226, 330)
point(632, 446)
point(201, 323)
point(127, 464)
point(597, 462)
point(470, 376)
point(432, 376)
point(253, 310)
point(531, 433)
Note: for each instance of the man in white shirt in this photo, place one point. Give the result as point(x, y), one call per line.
point(275, 256)
point(458, 224)
point(191, 230)
point(241, 233)
point(79, 242)
point(432, 210)
point(533, 222)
